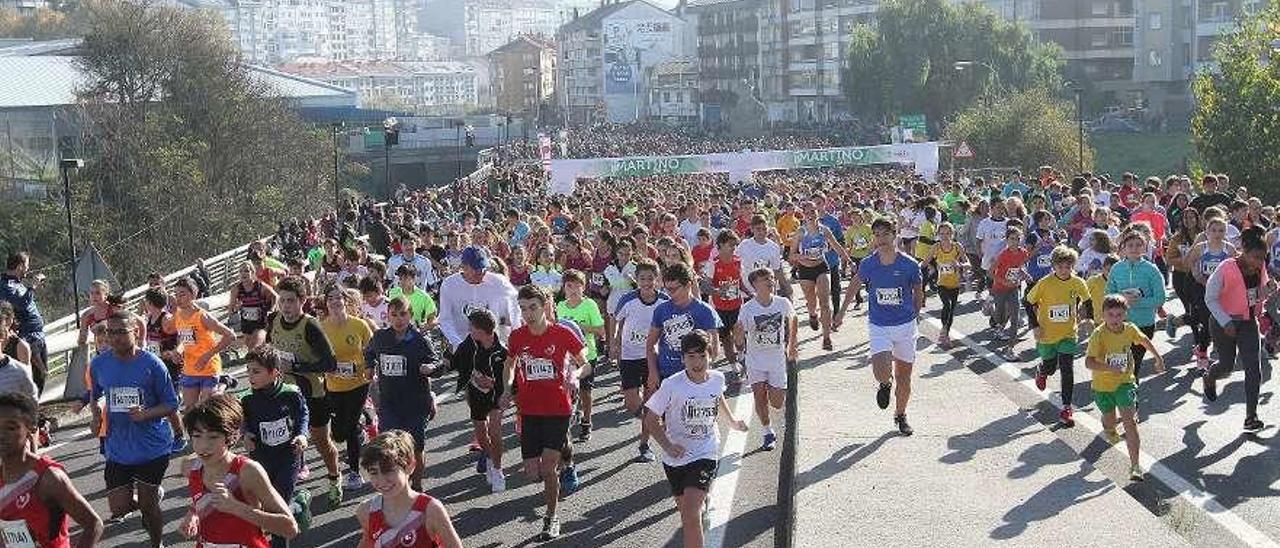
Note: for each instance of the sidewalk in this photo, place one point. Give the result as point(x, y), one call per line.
point(979, 471)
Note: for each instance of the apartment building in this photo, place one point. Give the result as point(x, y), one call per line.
point(522, 75)
point(422, 87)
point(481, 26)
point(729, 56)
point(283, 31)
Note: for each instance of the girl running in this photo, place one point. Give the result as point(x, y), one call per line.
point(398, 515)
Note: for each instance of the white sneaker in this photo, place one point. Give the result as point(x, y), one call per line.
point(497, 480)
point(353, 481)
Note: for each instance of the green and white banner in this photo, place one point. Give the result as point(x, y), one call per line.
point(739, 165)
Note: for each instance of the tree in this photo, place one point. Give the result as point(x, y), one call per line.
point(1027, 129)
point(187, 154)
point(906, 63)
point(1237, 119)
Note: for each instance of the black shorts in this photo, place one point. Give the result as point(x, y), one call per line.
point(810, 273)
point(249, 328)
point(634, 373)
point(698, 475)
point(728, 319)
point(585, 384)
point(538, 434)
point(481, 403)
point(150, 473)
point(342, 409)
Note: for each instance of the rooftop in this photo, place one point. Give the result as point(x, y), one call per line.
point(350, 69)
point(533, 40)
point(594, 18)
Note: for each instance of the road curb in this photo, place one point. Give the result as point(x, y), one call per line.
point(785, 532)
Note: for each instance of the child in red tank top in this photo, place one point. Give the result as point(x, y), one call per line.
point(232, 501)
point(397, 515)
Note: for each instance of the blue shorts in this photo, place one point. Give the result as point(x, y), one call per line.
point(201, 382)
point(414, 423)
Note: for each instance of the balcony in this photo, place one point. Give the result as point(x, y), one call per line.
point(1214, 26)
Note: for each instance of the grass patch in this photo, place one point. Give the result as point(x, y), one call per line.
point(1145, 154)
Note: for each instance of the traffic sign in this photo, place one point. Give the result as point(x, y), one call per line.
point(963, 151)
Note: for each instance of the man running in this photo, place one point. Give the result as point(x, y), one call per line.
point(674, 319)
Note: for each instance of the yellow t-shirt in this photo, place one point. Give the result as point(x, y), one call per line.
point(1056, 301)
point(788, 224)
point(948, 265)
point(1097, 290)
point(927, 230)
point(1114, 350)
point(348, 339)
point(858, 240)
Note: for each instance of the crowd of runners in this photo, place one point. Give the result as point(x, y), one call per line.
point(686, 285)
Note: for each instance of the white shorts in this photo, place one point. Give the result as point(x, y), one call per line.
point(773, 376)
point(900, 339)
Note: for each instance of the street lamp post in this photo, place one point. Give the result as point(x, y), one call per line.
point(337, 193)
point(961, 65)
point(457, 149)
point(1075, 88)
point(66, 165)
point(390, 136)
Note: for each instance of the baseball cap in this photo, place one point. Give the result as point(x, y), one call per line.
point(475, 258)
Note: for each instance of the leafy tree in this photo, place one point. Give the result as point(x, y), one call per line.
point(1027, 129)
point(1237, 119)
point(905, 64)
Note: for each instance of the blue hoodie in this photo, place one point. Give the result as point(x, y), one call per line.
point(1143, 277)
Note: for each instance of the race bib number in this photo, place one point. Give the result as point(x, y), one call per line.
point(1044, 261)
point(1060, 313)
point(274, 433)
point(637, 337)
point(346, 370)
point(1210, 267)
point(1118, 361)
point(859, 242)
point(729, 291)
point(889, 296)
point(153, 347)
point(946, 269)
point(473, 307)
point(1252, 292)
point(538, 369)
point(186, 336)
point(393, 365)
point(122, 399)
point(597, 279)
point(287, 357)
point(216, 545)
point(676, 327)
point(813, 252)
point(1183, 249)
point(699, 417)
point(1013, 276)
point(250, 313)
point(17, 535)
point(760, 263)
point(1132, 293)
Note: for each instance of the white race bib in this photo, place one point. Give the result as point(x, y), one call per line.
point(153, 347)
point(393, 365)
point(1060, 313)
point(637, 336)
point(346, 370)
point(729, 291)
point(1118, 361)
point(123, 398)
point(1252, 292)
point(538, 369)
point(946, 269)
point(889, 296)
point(1132, 292)
point(274, 433)
point(1210, 266)
point(17, 535)
point(760, 263)
point(186, 336)
point(699, 417)
point(859, 242)
point(286, 357)
point(250, 313)
point(597, 279)
point(1013, 276)
point(1044, 261)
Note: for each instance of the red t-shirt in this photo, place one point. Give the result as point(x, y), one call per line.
point(44, 526)
point(541, 367)
point(701, 254)
point(218, 527)
point(1004, 275)
point(410, 534)
point(726, 283)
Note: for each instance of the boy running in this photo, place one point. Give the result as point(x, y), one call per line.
point(1111, 359)
point(766, 331)
point(1053, 306)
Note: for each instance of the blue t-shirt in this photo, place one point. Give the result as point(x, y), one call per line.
point(1015, 186)
point(890, 289)
point(1040, 264)
point(140, 381)
point(833, 224)
point(674, 322)
point(520, 233)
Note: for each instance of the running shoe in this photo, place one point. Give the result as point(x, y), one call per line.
point(770, 441)
point(178, 447)
point(1067, 416)
point(1171, 326)
point(1136, 473)
point(646, 455)
point(584, 432)
point(1210, 387)
point(300, 507)
point(1253, 425)
point(335, 492)
point(482, 464)
point(474, 447)
point(1113, 437)
point(550, 528)
point(903, 427)
point(1041, 380)
point(568, 481)
point(826, 343)
point(882, 395)
point(497, 480)
point(813, 322)
point(353, 481)
point(944, 341)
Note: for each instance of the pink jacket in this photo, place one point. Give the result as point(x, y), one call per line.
point(1234, 298)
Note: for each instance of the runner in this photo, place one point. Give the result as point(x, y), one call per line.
point(162, 340)
point(21, 294)
point(480, 359)
point(1211, 249)
point(895, 292)
point(951, 261)
point(808, 255)
point(251, 300)
point(1114, 367)
point(586, 315)
point(139, 395)
point(373, 303)
point(232, 501)
point(544, 360)
point(725, 276)
point(1141, 283)
point(1235, 295)
point(474, 288)
point(346, 388)
point(420, 302)
point(404, 359)
point(682, 419)
point(759, 251)
point(275, 434)
point(1053, 306)
point(673, 319)
point(632, 321)
point(201, 354)
point(36, 495)
point(400, 515)
point(766, 331)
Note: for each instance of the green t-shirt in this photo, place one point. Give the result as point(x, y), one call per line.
point(586, 315)
point(316, 257)
point(420, 302)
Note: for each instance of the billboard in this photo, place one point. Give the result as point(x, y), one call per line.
point(630, 45)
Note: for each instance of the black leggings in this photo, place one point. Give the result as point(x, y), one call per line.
point(347, 409)
point(1245, 347)
point(1191, 294)
point(1140, 351)
point(1064, 363)
point(949, 297)
point(834, 275)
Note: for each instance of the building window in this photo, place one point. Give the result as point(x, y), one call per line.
point(1123, 37)
point(1154, 58)
point(1251, 7)
point(1101, 7)
point(1153, 21)
point(1098, 39)
point(1220, 12)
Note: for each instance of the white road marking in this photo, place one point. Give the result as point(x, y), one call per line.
point(720, 500)
point(1185, 489)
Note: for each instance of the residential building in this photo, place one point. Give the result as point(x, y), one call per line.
point(24, 6)
point(421, 87)
point(674, 94)
point(729, 55)
point(282, 31)
point(605, 56)
point(481, 26)
point(1210, 19)
point(522, 75)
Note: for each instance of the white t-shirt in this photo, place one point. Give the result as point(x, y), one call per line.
point(620, 282)
point(911, 222)
point(689, 231)
point(758, 255)
point(689, 411)
point(765, 328)
point(459, 298)
point(376, 313)
point(991, 233)
point(634, 318)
